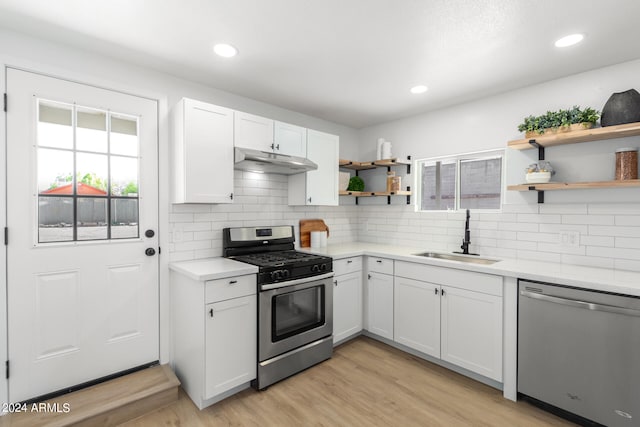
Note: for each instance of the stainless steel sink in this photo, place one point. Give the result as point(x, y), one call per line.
point(462, 258)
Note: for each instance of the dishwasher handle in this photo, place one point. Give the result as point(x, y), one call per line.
point(582, 304)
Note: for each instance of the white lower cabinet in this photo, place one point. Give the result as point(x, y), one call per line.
point(417, 315)
point(230, 355)
point(214, 335)
point(380, 296)
point(472, 331)
point(380, 304)
point(347, 305)
point(455, 316)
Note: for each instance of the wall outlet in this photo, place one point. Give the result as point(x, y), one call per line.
point(570, 238)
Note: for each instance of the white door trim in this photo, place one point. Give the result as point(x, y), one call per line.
point(4, 384)
point(163, 197)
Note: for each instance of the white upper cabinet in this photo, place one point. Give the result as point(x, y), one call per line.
point(318, 187)
point(202, 153)
point(253, 132)
point(290, 139)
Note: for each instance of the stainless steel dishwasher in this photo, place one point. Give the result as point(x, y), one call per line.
point(579, 351)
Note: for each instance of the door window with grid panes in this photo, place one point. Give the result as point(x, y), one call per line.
point(87, 173)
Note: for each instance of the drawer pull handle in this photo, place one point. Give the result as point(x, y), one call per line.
point(233, 282)
point(349, 261)
point(379, 261)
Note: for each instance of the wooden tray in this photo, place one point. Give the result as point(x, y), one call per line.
point(309, 225)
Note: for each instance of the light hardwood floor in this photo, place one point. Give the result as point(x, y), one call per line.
point(366, 383)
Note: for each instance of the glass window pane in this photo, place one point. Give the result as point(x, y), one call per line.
point(438, 186)
point(55, 219)
point(480, 183)
point(298, 311)
point(92, 218)
point(91, 130)
point(124, 218)
point(55, 171)
point(55, 125)
point(91, 174)
point(124, 176)
point(124, 135)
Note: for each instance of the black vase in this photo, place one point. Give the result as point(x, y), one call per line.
point(622, 107)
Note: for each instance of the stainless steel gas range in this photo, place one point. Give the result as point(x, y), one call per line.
point(295, 300)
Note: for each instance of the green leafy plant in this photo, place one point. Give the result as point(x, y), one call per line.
point(559, 119)
point(356, 184)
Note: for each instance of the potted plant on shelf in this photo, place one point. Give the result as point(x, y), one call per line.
point(559, 121)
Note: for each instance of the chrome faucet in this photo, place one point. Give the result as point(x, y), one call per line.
point(466, 241)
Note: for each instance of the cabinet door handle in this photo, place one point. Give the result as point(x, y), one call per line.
point(335, 282)
point(369, 276)
point(436, 291)
point(442, 292)
point(309, 199)
point(211, 312)
point(231, 196)
point(233, 282)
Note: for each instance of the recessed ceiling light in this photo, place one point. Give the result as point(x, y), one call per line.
point(225, 50)
point(569, 40)
point(419, 89)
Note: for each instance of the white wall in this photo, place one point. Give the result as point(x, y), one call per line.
point(608, 220)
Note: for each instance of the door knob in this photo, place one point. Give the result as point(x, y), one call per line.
point(150, 252)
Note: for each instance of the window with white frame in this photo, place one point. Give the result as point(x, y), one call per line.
point(468, 181)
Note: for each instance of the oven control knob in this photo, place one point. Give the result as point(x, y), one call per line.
point(275, 275)
point(285, 274)
point(315, 267)
point(323, 267)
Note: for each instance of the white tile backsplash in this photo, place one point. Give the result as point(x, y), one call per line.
point(608, 232)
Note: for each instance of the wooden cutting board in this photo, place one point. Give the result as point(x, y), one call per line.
point(307, 226)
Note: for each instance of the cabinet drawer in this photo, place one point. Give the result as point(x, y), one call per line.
point(347, 265)
point(380, 265)
point(230, 287)
point(472, 281)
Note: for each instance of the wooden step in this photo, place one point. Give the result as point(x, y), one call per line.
point(106, 404)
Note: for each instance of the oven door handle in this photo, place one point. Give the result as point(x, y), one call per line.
point(295, 282)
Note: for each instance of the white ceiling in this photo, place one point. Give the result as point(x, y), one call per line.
point(347, 61)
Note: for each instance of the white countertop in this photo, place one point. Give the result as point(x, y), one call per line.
point(212, 268)
point(603, 279)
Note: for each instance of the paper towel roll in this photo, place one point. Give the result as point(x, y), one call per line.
point(386, 150)
point(316, 238)
point(379, 150)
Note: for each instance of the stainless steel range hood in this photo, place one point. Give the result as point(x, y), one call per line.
point(263, 161)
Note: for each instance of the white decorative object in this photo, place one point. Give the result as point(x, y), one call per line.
point(538, 177)
point(343, 180)
point(318, 239)
point(386, 150)
point(379, 149)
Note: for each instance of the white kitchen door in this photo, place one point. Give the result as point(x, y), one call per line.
point(82, 202)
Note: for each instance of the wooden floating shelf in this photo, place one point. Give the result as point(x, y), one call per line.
point(384, 163)
point(356, 166)
point(551, 186)
point(374, 193)
point(586, 135)
point(387, 194)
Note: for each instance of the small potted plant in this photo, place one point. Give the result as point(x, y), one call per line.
point(559, 121)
